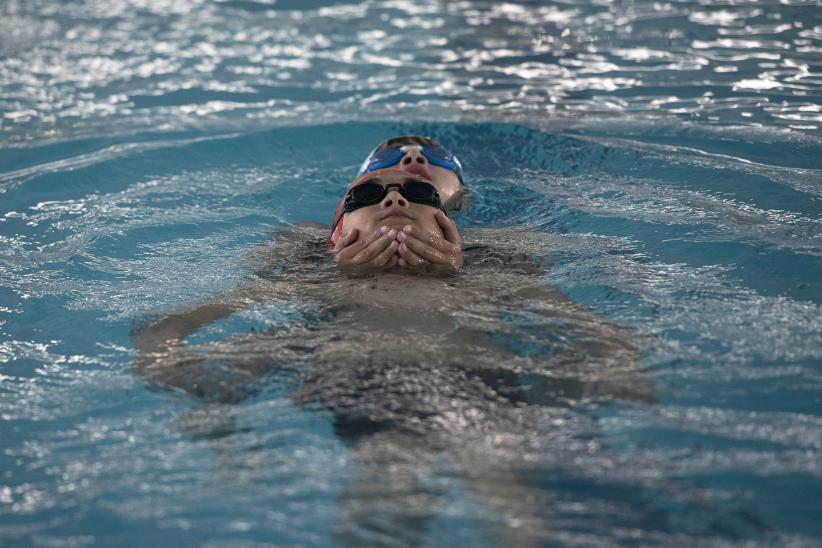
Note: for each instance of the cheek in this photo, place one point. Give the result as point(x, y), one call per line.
point(427, 221)
point(447, 182)
point(360, 219)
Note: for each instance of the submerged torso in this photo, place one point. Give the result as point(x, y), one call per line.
point(397, 346)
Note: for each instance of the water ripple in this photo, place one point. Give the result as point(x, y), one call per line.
point(95, 68)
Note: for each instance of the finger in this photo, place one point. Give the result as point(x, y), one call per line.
point(375, 247)
point(422, 235)
point(424, 251)
point(448, 254)
point(435, 240)
point(386, 255)
point(449, 228)
point(349, 253)
point(433, 248)
point(411, 258)
point(347, 239)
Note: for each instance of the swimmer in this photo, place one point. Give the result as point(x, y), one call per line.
point(470, 368)
point(357, 246)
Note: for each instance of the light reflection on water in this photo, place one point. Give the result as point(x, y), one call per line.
point(92, 68)
point(674, 188)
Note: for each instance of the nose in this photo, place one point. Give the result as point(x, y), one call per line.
point(393, 197)
point(414, 157)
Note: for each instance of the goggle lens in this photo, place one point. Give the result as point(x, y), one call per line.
point(366, 193)
point(372, 192)
point(420, 192)
point(437, 152)
point(384, 158)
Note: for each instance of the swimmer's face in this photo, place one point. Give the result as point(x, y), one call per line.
point(394, 210)
point(446, 181)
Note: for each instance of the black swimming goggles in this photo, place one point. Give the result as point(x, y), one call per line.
point(371, 192)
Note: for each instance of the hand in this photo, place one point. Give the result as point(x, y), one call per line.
point(421, 250)
point(374, 252)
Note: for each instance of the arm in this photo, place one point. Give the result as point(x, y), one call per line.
point(163, 357)
point(610, 368)
point(176, 326)
point(592, 356)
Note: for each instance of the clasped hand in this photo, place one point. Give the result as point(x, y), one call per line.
point(408, 248)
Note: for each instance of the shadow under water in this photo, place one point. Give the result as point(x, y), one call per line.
point(484, 375)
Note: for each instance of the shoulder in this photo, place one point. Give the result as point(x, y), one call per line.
point(298, 248)
point(520, 249)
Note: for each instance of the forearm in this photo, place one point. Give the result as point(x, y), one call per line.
point(612, 366)
point(163, 358)
point(161, 353)
point(175, 327)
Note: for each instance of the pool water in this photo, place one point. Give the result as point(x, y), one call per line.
point(665, 155)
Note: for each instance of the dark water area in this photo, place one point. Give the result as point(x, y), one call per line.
point(656, 163)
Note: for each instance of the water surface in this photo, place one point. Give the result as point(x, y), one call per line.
point(664, 155)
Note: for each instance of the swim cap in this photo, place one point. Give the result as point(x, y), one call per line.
point(337, 230)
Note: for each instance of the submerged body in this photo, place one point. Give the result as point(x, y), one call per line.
point(472, 368)
point(496, 314)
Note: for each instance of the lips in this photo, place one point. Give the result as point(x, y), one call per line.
point(394, 212)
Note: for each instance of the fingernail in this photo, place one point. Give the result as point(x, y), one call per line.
point(394, 244)
point(392, 232)
point(383, 229)
point(406, 228)
point(402, 236)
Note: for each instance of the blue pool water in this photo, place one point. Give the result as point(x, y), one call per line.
point(667, 155)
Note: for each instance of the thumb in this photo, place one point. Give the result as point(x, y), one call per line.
point(347, 239)
point(449, 229)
